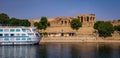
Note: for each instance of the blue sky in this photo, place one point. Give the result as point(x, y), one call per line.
point(35, 9)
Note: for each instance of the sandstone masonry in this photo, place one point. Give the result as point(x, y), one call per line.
point(60, 26)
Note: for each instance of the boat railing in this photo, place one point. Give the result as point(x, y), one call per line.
point(16, 27)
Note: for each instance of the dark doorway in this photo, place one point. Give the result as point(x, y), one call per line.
point(62, 34)
point(81, 19)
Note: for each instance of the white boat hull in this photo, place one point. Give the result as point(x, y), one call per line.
point(19, 35)
point(20, 42)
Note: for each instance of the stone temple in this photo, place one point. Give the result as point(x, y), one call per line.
point(86, 19)
point(60, 26)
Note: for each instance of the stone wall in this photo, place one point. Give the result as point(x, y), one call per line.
point(116, 22)
point(67, 39)
point(61, 25)
point(87, 19)
point(91, 39)
point(61, 21)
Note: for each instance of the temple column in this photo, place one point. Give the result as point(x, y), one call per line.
point(80, 19)
point(90, 19)
point(84, 19)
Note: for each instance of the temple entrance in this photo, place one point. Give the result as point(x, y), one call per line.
point(62, 34)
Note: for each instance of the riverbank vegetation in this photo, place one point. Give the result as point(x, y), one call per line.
point(105, 29)
point(75, 24)
point(42, 24)
point(6, 21)
point(117, 28)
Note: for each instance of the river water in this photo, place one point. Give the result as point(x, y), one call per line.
point(62, 50)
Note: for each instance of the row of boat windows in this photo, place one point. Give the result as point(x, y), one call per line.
point(29, 34)
point(18, 38)
point(14, 30)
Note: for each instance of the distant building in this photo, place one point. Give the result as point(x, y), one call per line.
point(116, 22)
point(87, 19)
point(60, 26)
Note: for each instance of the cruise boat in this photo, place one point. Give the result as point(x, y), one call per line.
point(19, 35)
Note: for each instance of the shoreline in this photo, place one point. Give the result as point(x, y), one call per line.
point(77, 40)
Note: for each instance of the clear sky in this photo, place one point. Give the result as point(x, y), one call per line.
point(35, 9)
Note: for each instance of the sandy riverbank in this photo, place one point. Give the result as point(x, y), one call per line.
point(77, 39)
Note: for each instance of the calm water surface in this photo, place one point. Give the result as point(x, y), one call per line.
point(62, 50)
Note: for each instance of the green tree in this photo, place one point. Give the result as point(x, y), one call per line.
point(14, 22)
point(105, 29)
point(38, 25)
point(4, 16)
point(42, 24)
point(75, 24)
point(96, 25)
point(24, 22)
point(18, 22)
point(117, 28)
point(4, 19)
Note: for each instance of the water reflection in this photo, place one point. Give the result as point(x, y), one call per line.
point(62, 50)
point(104, 51)
point(17, 52)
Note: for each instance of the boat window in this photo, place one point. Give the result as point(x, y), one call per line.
point(30, 34)
point(6, 39)
point(6, 30)
point(1, 30)
point(24, 30)
point(28, 30)
point(28, 38)
point(1, 34)
point(17, 30)
point(6, 34)
point(12, 30)
point(17, 38)
point(23, 34)
point(11, 34)
point(23, 38)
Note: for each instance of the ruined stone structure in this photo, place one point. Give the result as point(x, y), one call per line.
point(61, 21)
point(60, 26)
point(116, 22)
point(87, 19)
